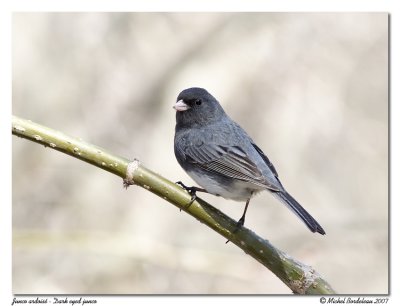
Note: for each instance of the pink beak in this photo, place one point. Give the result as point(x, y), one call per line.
point(181, 106)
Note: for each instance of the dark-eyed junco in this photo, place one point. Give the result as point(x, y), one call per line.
point(219, 155)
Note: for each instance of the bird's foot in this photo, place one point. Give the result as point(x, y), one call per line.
point(191, 190)
point(239, 225)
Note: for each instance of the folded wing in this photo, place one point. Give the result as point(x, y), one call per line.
point(230, 161)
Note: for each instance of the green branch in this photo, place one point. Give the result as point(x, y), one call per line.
point(298, 277)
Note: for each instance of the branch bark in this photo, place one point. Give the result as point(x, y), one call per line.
point(300, 278)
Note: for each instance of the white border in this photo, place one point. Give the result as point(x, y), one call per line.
point(204, 5)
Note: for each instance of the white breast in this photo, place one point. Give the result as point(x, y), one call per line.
point(238, 191)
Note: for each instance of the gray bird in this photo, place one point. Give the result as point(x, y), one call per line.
point(219, 155)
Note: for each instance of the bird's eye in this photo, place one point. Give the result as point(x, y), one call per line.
point(198, 102)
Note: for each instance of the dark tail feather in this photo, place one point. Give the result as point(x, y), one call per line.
point(290, 202)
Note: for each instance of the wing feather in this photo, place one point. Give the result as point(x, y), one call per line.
point(230, 161)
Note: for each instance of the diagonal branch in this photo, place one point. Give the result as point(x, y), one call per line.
point(298, 277)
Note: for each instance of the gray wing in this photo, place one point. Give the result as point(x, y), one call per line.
point(265, 158)
point(230, 161)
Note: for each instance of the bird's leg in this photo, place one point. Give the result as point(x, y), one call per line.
point(191, 190)
point(240, 223)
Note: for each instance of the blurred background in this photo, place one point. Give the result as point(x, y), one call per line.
point(311, 90)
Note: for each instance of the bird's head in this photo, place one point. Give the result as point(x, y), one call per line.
point(197, 107)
